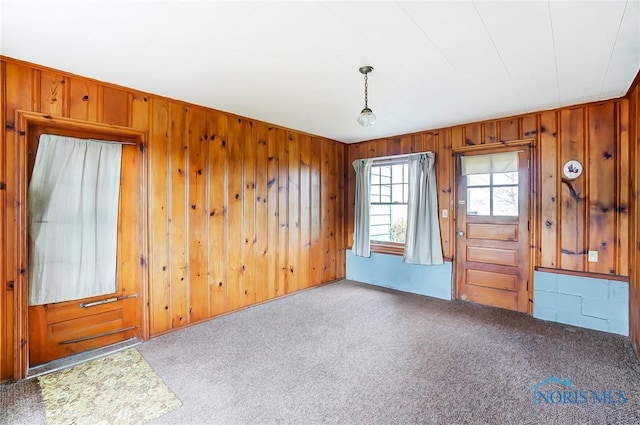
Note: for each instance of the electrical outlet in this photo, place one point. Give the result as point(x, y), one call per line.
point(445, 213)
point(593, 256)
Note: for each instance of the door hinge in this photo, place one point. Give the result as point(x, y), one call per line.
point(528, 164)
point(528, 225)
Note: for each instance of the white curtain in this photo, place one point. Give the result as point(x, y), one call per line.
point(490, 163)
point(422, 243)
point(73, 219)
point(361, 243)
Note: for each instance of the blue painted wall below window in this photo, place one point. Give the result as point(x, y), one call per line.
point(389, 271)
point(599, 304)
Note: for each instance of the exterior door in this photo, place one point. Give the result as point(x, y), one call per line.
point(493, 255)
point(60, 329)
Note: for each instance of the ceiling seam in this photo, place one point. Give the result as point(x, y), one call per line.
point(555, 55)
point(613, 49)
point(486, 30)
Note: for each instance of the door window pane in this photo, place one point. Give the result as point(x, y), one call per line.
point(505, 200)
point(478, 201)
point(478, 179)
point(505, 178)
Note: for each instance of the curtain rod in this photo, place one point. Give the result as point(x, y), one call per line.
point(400, 155)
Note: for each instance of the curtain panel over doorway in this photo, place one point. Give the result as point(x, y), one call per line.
point(422, 244)
point(73, 219)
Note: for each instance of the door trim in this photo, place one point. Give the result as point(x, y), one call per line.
point(533, 205)
point(31, 121)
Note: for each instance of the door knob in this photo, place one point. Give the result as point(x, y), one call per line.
point(461, 233)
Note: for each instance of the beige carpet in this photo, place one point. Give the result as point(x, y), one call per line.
point(118, 389)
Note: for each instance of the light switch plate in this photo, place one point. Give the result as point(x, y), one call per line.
point(593, 256)
point(445, 213)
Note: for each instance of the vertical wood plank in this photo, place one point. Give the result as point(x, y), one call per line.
point(218, 214)
point(283, 212)
point(602, 186)
point(573, 209)
point(316, 254)
point(549, 182)
point(340, 219)
point(249, 215)
point(83, 99)
point(262, 212)
point(305, 212)
point(294, 212)
point(115, 106)
point(159, 182)
point(509, 129)
point(623, 201)
point(529, 127)
point(178, 242)
point(273, 223)
point(53, 94)
point(489, 132)
point(444, 178)
point(473, 134)
point(235, 244)
point(197, 214)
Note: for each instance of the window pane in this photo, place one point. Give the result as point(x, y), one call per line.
point(398, 173)
point(505, 178)
point(478, 179)
point(505, 201)
point(385, 171)
point(478, 201)
point(398, 223)
point(397, 193)
point(375, 176)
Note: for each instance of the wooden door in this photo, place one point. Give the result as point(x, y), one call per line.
point(493, 256)
point(60, 329)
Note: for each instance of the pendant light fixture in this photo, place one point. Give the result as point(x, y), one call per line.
point(366, 117)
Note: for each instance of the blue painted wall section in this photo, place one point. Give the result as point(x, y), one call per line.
point(598, 304)
point(389, 271)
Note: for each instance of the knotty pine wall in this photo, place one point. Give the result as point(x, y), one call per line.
point(634, 260)
point(589, 213)
point(240, 211)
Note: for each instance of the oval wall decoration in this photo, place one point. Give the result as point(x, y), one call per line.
point(572, 169)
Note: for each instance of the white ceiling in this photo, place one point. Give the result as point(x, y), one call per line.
point(295, 64)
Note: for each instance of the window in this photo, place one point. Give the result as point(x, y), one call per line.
point(389, 196)
point(492, 194)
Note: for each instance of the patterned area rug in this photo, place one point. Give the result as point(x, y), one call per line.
point(118, 389)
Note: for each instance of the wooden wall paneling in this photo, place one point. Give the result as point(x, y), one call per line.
point(115, 106)
point(573, 193)
point(489, 132)
point(445, 175)
point(283, 212)
point(352, 154)
point(178, 230)
point(18, 95)
point(262, 212)
point(293, 212)
point(456, 137)
point(4, 135)
point(326, 210)
point(341, 187)
point(140, 120)
point(407, 144)
point(623, 166)
point(394, 146)
point(548, 154)
point(332, 260)
point(235, 244)
point(473, 134)
point(273, 219)
point(248, 295)
point(159, 151)
point(197, 181)
point(218, 214)
point(304, 268)
point(83, 99)
point(602, 189)
point(529, 127)
point(509, 129)
point(316, 256)
point(634, 244)
point(53, 94)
